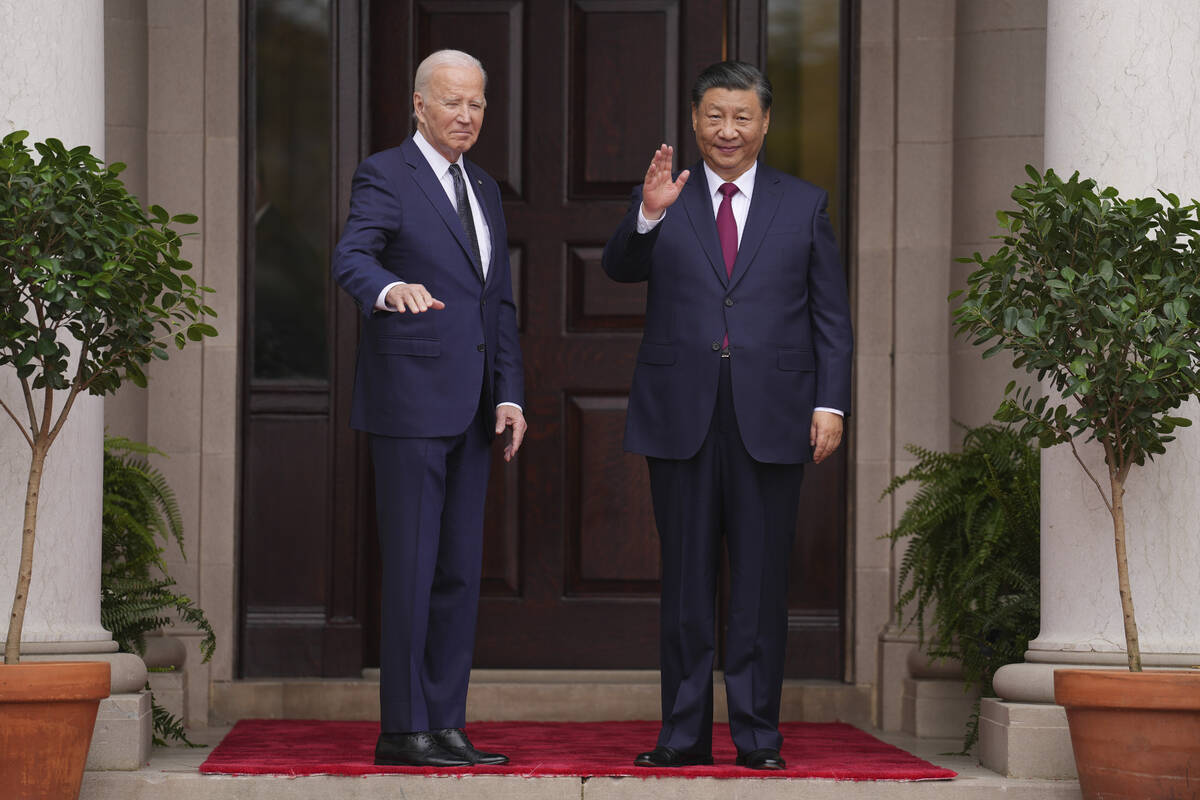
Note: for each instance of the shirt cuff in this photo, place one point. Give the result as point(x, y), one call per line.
point(381, 301)
point(645, 225)
point(830, 410)
point(514, 405)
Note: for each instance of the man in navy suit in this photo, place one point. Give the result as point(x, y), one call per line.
point(425, 254)
point(743, 376)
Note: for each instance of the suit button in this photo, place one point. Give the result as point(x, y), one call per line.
point(716, 346)
point(482, 303)
point(728, 301)
point(480, 347)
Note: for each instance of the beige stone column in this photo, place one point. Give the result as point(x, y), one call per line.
point(999, 79)
point(923, 167)
point(1122, 89)
point(52, 57)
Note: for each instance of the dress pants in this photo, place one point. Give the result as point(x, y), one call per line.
point(723, 491)
point(429, 498)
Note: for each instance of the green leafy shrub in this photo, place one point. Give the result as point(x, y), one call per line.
point(972, 566)
point(137, 595)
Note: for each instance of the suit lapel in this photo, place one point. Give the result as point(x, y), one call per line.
point(423, 176)
point(697, 201)
point(763, 206)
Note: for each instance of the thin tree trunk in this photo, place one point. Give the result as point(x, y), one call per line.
point(12, 644)
point(1132, 648)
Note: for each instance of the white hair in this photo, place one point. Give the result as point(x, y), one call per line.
point(444, 58)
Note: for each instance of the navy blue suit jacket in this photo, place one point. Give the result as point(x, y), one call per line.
point(423, 375)
point(785, 308)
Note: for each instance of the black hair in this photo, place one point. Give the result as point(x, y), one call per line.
point(735, 75)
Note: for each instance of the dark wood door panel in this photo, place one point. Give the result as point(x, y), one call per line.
point(571, 633)
point(597, 303)
point(286, 466)
point(611, 545)
point(624, 91)
point(284, 586)
point(493, 32)
point(501, 531)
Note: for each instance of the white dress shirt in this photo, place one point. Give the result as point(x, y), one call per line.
point(740, 205)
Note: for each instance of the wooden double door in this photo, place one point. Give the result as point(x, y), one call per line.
point(580, 93)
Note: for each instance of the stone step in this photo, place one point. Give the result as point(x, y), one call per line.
point(173, 775)
point(543, 695)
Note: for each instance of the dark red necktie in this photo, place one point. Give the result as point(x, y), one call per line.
point(727, 227)
point(727, 232)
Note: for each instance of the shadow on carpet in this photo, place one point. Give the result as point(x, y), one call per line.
point(541, 749)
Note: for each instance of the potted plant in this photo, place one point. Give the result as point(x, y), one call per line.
point(1099, 297)
point(92, 287)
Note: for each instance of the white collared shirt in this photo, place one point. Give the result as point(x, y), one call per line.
point(441, 168)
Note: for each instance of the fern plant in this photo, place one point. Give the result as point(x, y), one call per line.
point(972, 567)
point(137, 595)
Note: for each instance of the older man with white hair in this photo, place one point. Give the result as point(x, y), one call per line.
point(425, 254)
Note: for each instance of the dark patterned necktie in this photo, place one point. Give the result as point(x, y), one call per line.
point(465, 216)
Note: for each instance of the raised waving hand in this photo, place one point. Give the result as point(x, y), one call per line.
point(658, 190)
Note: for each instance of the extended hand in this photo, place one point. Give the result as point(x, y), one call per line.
point(658, 190)
point(511, 417)
point(412, 296)
point(825, 434)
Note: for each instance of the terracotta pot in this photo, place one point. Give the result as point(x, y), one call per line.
point(1135, 734)
point(47, 714)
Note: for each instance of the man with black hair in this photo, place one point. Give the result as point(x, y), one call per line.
point(743, 376)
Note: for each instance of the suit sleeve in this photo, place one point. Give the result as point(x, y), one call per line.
point(375, 214)
point(833, 340)
point(627, 254)
point(507, 368)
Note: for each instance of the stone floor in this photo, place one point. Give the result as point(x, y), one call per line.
point(173, 774)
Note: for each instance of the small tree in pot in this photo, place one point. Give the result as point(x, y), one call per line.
point(80, 260)
point(92, 287)
point(1099, 297)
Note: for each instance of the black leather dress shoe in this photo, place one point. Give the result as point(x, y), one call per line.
point(455, 742)
point(663, 756)
point(418, 749)
point(764, 758)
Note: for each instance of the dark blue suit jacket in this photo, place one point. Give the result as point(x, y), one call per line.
point(785, 308)
point(423, 375)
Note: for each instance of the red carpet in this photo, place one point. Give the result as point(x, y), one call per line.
point(812, 750)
